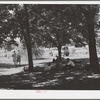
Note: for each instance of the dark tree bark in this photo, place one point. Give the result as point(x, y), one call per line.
point(30, 60)
point(89, 13)
point(28, 45)
point(92, 46)
point(26, 36)
point(59, 52)
point(58, 45)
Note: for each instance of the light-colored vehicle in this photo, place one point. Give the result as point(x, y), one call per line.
point(65, 50)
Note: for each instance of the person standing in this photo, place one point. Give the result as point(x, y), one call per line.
point(14, 58)
point(19, 58)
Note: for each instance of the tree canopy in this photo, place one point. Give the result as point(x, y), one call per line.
point(50, 26)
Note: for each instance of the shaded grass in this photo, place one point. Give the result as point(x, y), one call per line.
point(4, 65)
point(26, 81)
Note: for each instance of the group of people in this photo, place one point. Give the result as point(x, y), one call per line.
point(65, 64)
point(51, 67)
point(16, 58)
point(69, 64)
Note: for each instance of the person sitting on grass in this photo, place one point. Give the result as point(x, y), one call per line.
point(47, 68)
point(70, 64)
point(50, 68)
point(54, 61)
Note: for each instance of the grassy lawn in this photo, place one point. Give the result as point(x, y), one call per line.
point(77, 79)
point(61, 80)
point(3, 65)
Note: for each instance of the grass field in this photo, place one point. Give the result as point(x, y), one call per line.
point(78, 79)
point(60, 80)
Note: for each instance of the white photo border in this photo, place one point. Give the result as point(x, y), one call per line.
point(50, 94)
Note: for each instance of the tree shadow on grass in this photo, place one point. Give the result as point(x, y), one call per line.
point(41, 58)
point(86, 60)
point(4, 65)
point(68, 80)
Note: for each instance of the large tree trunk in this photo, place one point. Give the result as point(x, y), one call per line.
point(92, 46)
point(30, 59)
point(59, 52)
point(28, 44)
point(26, 36)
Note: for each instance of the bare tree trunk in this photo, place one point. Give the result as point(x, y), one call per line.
point(92, 46)
point(28, 45)
point(26, 36)
point(59, 52)
point(90, 15)
point(30, 60)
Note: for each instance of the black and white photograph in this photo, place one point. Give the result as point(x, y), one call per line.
point(49, 46)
